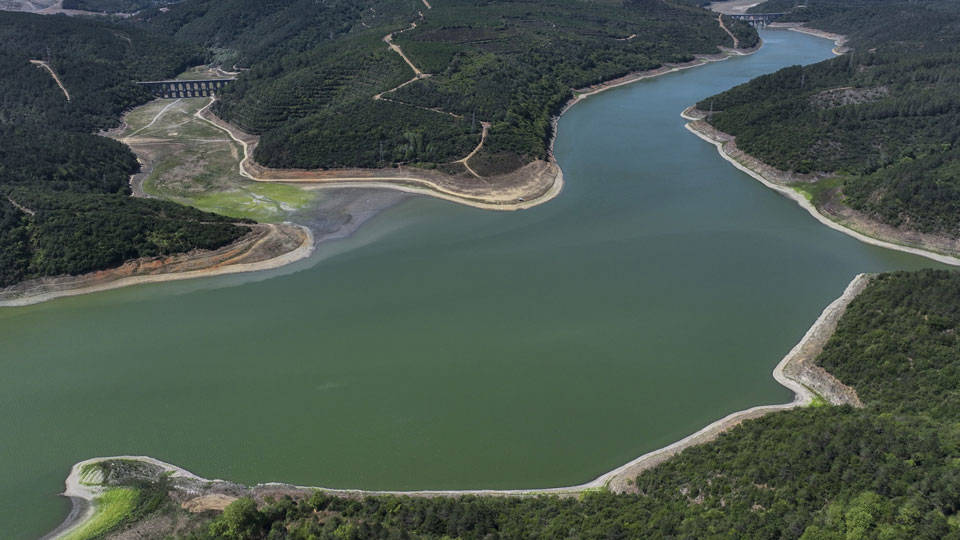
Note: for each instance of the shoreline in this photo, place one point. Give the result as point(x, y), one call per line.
point(839, 40)
point(407, 184)
point(45, 289)
point(796, 371)
point(415, 181)
point(430, 183)
point(720, 141)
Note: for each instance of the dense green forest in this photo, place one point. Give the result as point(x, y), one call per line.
point(887, 471)
point(884, 117)
point(115, 6)
point(313, 72)
point(64, 204)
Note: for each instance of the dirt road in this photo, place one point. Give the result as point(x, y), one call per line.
point(53, 74)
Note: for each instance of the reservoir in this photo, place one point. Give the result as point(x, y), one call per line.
point(442, 346)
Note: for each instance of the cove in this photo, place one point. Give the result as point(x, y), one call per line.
point(447, 347)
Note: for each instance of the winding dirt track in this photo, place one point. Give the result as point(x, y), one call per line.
point(483, 138)
point(53, 74)
point(152, 122)
point(388, 39)
point(736, 42)
point(21, 207)
point(419, 74)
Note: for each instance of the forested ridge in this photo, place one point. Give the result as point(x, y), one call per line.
point(310, 73)
point(64, 195)
point(314, 72)
point(885, 117)
point(890, 470)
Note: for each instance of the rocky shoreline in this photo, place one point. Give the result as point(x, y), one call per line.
point(834, 215)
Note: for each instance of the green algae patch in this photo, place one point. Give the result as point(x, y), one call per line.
point(196, 164)
point(110, 510)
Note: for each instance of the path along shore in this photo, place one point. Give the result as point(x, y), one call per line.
point(797, 371)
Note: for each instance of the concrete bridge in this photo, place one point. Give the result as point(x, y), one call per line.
point(756, 19)
point(186, 88)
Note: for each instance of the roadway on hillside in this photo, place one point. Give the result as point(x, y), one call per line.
point(53, 74)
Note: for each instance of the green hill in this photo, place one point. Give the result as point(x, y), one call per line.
point(314, 72)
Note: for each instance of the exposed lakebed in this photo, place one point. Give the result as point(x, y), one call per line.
point(442, 346)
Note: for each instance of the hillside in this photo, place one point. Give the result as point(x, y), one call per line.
point(314, 74)
point(64, 204)
point(880, 123)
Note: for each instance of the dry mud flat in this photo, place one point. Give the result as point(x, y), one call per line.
point(266, 246)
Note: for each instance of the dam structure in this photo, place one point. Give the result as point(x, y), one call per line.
point(179, 88)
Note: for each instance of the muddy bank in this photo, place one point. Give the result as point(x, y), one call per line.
point(266, 246)
point(834, 214)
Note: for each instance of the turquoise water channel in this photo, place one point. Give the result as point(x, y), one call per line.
point(447, 347)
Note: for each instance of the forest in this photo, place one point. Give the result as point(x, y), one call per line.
point(883, 118)
point(886, 471)
point(313, 73)
point(64, 195)
point(114, 6)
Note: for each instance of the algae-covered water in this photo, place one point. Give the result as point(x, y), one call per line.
point(447, 347)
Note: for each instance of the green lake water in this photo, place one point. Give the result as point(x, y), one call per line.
point(446, 347)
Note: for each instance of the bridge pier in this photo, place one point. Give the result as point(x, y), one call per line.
point(757, 20)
